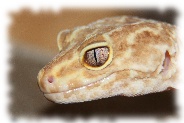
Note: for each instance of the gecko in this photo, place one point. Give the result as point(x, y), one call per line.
point(123, 55)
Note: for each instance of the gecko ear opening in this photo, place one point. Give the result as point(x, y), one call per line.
point(96, 56)
point(62, 39)
point(166, 62)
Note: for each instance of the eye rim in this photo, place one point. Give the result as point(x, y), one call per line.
point(94, 46)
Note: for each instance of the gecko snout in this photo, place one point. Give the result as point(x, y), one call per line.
point(43, 78)
point(46, 82)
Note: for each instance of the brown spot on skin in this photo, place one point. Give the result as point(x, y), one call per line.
point(143, 56)
point(123, 46)
point(53, 89)
point(120, 36)
point(133, 90)
point(75, 83)
point(169, 29)
point(108, 86)
point(124, 85)
point(122, 75)
point(94, 95)
point(147, 82)
point(135, 27)
point(147, 37)
point(87, 74)
point(90, 74)
point(81, 96)
point(76, 65)
point(63, 72)
point(60, 73)
point(67, 94)
point(141, 75)
point(68, 69)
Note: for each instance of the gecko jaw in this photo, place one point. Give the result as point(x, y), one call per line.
point(108, 87)
point(82, 87)
point(63, 95)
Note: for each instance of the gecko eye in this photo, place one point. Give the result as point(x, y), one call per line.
point(96, 56)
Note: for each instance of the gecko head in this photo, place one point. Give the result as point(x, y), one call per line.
point(75, 68)
point(78, 67)
point(119, 55)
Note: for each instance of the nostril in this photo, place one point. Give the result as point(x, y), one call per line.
point(50, 79)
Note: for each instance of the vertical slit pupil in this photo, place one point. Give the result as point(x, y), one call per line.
point(95, 55)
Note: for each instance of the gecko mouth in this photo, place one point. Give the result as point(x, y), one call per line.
point(94, 83)
point(66, 96)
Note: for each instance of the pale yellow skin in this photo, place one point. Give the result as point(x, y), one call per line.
point(137, 62)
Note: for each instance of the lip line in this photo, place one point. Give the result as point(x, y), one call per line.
point(68, 91)
point(90, 84)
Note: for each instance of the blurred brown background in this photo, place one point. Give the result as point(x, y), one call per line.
point(33, 39)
